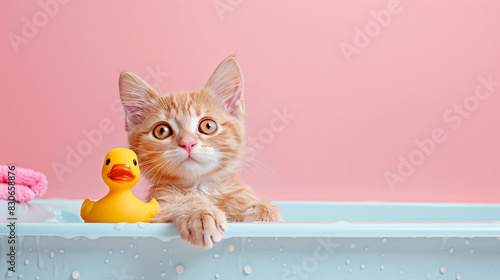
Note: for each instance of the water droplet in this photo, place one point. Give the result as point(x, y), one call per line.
point(217, 275)
point(272, 258)
point(353, 245)
point(251, 244)
point(284, 264)
point(216, 255)
point(164, 249)
point(122, 251)
point(471, 251)
point(20, 276)
point(459, 276)
point(75, 274)
point(136, 256)
point(350, 270)
point(51, 254)
point(119, 226)
point(384, 240)
point(10, 273)
point(247, 269)
point(131, 245)
point(467, 242)
point(442, 269)
point(106, 261)
point(428, 276)
point(61, 251)
point(348, 261)
point(38, 277)
point(249, 240)
point(366, 248)
point(26, 261)
point(280, 249)
point(400, 272)
point(362, 266)
point(179, 269)
point(230, 248)
point(110, 252)
point(382, 267)
point(163, 274)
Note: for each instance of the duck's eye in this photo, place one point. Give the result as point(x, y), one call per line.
point(207, 127)
point(108, 161)
point(135, 162)
point(162, 131)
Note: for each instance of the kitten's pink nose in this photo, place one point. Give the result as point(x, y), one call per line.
point(188, 145)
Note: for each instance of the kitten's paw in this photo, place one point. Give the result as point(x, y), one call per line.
point(203, 227)
point(262, 211)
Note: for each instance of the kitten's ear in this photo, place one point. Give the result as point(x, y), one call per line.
point(136, 96)
point(226, 84)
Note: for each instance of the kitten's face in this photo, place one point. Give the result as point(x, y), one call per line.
point(186, 136)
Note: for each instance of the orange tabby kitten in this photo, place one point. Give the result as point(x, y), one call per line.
point(190, 145)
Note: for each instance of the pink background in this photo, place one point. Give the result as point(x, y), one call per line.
point(355, 115)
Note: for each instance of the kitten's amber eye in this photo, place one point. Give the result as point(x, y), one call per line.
point(162, 131)
point(207, 127)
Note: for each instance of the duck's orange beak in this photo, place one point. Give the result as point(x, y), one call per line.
point(121, 173)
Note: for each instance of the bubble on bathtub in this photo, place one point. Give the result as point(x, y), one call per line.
point(382, 267)
point(216, 255)
point(362, 266)
point(122, 251)
point(442, 269)
point(384, 240)
point(26, 261)
point(179, 269)
point(249, 240)
point(38, 277)
point(110, 252)
point(459, 276)
point(353, 245)
point(131, 245)
point(428, 276)
point(280, 249)
point(164, 250)
point(284, 264)
point(350, 270)
point(141, 225)
point(272, 258)
point(119, 226)
point(143, 277)
point(75, 274)
point(160, 263)
point(51, 254)
point(230, 248)
point(400, 272)
point(136, 256)
point(451, 250)
point(20, 276)
point(467, 242)
point(471, 251)
point(106, 261)
point(217, 275)
point(348, 261)
point(61, 251)
point(163, 274)
point(10, 273)
point(247, 269)
point(366, 248)
point(251, 244)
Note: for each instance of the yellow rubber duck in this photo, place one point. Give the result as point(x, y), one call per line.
point(120, 172)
